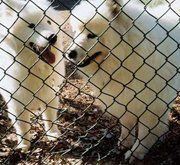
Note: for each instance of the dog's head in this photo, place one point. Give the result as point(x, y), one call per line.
point(31, 27)
point(92, 22)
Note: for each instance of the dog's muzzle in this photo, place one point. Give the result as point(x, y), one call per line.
point(88, 61)
point(45, 53)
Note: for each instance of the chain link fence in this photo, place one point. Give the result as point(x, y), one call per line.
point(88, 116)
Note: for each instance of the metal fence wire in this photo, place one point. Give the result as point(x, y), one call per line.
point(129, 66)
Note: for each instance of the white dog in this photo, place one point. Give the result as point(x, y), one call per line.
point(132, 61)
point(31, 65)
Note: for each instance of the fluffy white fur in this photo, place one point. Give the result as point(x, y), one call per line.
point(136, 77)
point(26, 82)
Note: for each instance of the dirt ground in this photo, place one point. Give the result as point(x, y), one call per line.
point(88, 136)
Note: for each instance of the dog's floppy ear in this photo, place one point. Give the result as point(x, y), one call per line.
point(112, 6)
point(115, 6)
point(109, 8)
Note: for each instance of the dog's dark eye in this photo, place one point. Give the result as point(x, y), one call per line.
point(49, 22)
point(31, 25)
point(91, 36)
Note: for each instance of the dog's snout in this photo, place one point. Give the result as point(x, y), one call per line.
point(52, 38)
point(72, 54)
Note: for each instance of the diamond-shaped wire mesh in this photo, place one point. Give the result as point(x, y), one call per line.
point(127, 60)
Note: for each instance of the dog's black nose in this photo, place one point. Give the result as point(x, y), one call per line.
point(52, 38)
point(72, 54)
